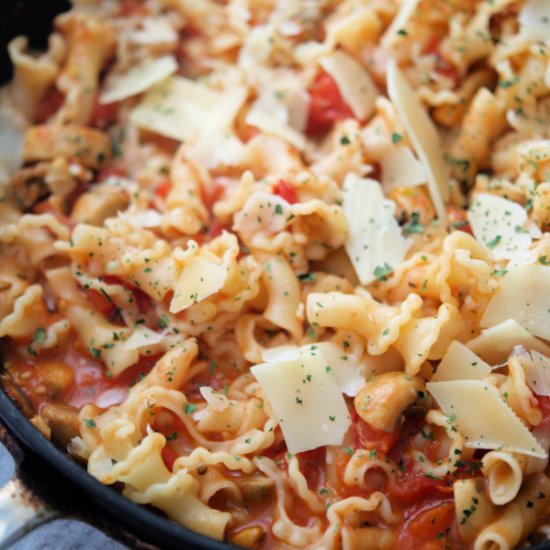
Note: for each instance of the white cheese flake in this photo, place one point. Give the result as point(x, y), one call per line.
point(354, 83)
point(306, 399)
point(423, 135)
point(198, 280)
point(460, 363)
point(534, 20)
point(495, 344)
point(483, 418)
point(143, 337)
point(183, 109)
point(500, 225)
point(375, 242)
point(524, 296)
point(137, 79)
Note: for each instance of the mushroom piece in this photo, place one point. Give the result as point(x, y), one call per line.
point(62, 420)
point(381, 402)
point(98, 204)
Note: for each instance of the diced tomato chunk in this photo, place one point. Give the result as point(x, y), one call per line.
point(48, 105)
point(413, 488)
point(169, 456)
point(458, 220)
point(163, 188)
point(442, 66)
point(544, 405)
point(285, 191)
point(326, 105)
point(130, 7)
point(104, 114)
point(367, 437)
point(427, 529)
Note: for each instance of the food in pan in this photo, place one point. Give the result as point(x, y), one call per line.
point(280, 268)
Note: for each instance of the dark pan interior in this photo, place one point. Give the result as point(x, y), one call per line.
point(33, 18)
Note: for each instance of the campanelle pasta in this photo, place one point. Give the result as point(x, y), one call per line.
point(280, 269)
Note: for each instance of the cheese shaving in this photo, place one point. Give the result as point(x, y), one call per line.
point(460, 363)
point(143, 337)
point(534, 20)
point(375, 239)
point(495, 344)
point(523, 295)
point(306, 399)
point(424, 137)
point(198, 280)
point(137, 79)
point(501, 225)
point(483, 418)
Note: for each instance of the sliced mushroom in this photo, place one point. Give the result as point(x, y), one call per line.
point(255, 487)
point(98, 204)
point(63, 422)
point(381, 402)
point(28, 185)
point(250, 537)
point(88, 146)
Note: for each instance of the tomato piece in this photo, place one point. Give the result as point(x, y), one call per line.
point(413, 488)
point(106, 173)
point(169, 456)
point(442, 66)
point(215, 229)
point(130, 7)
point(326, 105)
point(162, 189)
point(48, 105)
point(100, 301)
point(367, 437)
point(285, 191)
point(544, 404)
point(427, 529)
point(458, 220)
point(104, 115)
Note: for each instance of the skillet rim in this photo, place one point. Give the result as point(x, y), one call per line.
point(140, 521)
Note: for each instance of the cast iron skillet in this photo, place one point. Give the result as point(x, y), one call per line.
point(48, 482)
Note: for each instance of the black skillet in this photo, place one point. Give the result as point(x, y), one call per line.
point(48, 483)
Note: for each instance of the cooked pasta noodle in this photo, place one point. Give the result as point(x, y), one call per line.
point(280, 268)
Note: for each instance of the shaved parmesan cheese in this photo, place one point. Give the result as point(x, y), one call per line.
point(483, 418)
point(349, 375)
point(137, 79)
point(198, 280)
point(143, 337)
point(145, 218)
point(400, 168)
point(12, 135)
point(216, 401)
point(271, 116)
point(523, 295)
point(395, 31)
point(534, 20)
point(374, 239)
point(460, 363)
point(500, 225)
point(495, 344)
point(537, 374)
point(353, 81)
point(306, 399)
point(423, 135)
point(182, 109)
point(154, 30)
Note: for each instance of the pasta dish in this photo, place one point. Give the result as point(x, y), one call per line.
point(280, 268)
